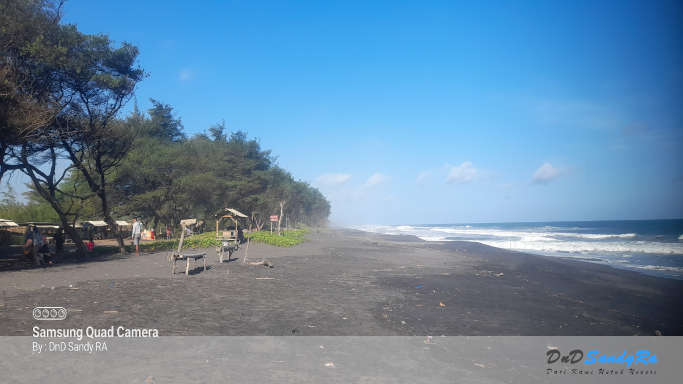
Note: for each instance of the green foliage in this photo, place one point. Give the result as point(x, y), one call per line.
point(165, 179)
point(208, 240)
point(60, 94)
point(204, 240)
point(287, 239)
point(11, 209)
point(24, 212)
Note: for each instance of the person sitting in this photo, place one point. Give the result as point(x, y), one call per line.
point(35, 245)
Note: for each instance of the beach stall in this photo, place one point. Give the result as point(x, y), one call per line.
point(7, 229)
point(98, 227)
point(228, 239)
point(7, 223)
point(123, 226)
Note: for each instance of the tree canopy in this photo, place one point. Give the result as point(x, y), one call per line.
point(61, 97)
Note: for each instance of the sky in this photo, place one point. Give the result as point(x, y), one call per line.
point(427, 112)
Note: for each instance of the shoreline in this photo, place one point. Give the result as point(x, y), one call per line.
point(349, 282)
point(639, 253)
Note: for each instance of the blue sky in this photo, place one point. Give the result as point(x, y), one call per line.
point(431, 111)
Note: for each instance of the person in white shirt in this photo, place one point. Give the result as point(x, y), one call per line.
point(135, 235)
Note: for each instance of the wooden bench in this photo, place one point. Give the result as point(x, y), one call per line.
point(174, 256)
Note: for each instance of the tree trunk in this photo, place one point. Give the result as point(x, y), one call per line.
point(279, 218)
point(74, 235)
point(48, 192)
point(119, 236)
point(109, 220)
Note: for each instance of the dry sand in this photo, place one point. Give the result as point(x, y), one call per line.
point(345, 282)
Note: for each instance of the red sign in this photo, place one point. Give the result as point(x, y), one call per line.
point(273, 218)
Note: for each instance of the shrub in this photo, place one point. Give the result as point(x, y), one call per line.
point(288, 238)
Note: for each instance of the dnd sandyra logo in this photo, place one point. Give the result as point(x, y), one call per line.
point(596, 363)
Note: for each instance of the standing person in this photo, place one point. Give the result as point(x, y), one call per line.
point(168, 233)
point(91, 241)
point(137, 232)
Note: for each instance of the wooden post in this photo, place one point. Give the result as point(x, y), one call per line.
point(246, 251)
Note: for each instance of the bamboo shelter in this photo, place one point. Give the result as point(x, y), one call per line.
point(228, 240)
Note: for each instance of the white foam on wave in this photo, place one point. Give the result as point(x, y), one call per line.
point(531, 235)
point(588, 246)
point(680, 237)
point(535, 241)
point(660, 268)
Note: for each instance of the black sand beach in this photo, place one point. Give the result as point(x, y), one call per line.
point(345, 282)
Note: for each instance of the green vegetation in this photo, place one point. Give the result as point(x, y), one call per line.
point(287, 239)
point(61, 92)
point(208, 240)
point(11, 209)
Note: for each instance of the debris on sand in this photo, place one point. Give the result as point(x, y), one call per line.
point(480, 365)
point(265, 263)
point(489, 274)
point(329, 364)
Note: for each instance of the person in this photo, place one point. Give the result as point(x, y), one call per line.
point(168, 233)
point(35, 245)
point(91, 241)
point(137, 232)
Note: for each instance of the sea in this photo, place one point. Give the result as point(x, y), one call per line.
point(653, 247)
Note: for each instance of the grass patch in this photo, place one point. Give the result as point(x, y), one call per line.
point(204, 240)
point(208, 240)
point(288, 238)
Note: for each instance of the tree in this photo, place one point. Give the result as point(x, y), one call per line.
point(101, 79)
point(162, 124)
point(27, 99)
point(82, 81)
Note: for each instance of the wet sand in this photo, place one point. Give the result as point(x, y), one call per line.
point(345, 282)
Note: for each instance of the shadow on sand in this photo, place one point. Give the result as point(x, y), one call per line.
point(12, 258)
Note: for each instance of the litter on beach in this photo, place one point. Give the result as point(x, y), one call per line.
point(266, 264)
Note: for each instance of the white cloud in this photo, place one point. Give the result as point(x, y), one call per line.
point(376, 179)
point(333, 179)
point(185, 74)
point(423, 176)
point(463, 173)
point(545, 173)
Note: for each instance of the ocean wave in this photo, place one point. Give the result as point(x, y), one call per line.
point(589, 247)
point(529, 235)
point(660, 268)
point(535, 241)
